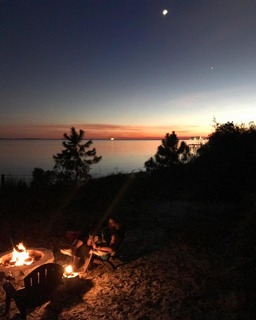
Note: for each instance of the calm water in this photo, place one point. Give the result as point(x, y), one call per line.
point(18, 158)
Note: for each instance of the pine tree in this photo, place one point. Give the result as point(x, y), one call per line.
point(74, 162)
point(169, 153)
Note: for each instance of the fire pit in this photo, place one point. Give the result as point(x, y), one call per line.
point(20, 262)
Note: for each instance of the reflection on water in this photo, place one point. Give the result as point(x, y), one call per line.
point(19, 157)
point(123, 155)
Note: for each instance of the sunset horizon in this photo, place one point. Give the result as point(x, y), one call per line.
point(94, 133)
point(128, 70)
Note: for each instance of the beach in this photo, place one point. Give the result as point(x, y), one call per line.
point(163, 272)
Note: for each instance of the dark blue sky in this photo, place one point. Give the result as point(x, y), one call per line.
point(121, 68)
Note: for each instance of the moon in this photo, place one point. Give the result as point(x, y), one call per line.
point(165, 12)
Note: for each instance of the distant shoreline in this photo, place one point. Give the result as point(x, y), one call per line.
point(62, 139)
point(116, 139)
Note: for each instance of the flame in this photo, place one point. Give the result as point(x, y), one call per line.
point(69, 269)
point(21, 256)
point(69, 272)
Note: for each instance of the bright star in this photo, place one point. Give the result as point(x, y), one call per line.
point(165, 12)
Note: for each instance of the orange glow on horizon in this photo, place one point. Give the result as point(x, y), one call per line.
point(99, 131)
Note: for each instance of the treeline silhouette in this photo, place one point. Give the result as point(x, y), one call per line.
point(223, 170)
point(204, 202)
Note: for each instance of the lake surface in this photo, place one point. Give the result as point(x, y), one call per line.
point(18, 158)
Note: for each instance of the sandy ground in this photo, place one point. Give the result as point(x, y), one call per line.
point(156, 278)
point(155, 286)
point(153, 281)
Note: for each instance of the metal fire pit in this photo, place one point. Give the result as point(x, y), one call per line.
point(41, 256)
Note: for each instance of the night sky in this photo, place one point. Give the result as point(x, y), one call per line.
point(120, 68)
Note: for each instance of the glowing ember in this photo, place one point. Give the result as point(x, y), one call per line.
point(20, 256)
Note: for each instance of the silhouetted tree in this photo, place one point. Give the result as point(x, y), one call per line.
point(42, 177)
point(74, 162)
point(169, 153)
point(227, 162)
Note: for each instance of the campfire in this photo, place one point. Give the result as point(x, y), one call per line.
point(20, 256)
point(21, 260)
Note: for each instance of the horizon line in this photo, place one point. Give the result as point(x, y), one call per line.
point(108, 139)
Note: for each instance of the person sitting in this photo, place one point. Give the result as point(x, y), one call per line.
point(114, 235)
point(104, 244)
